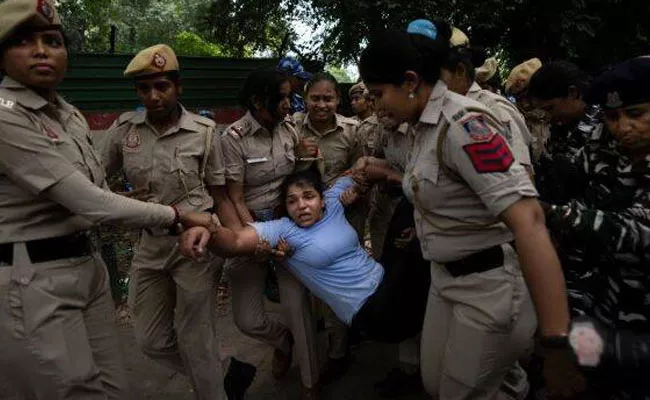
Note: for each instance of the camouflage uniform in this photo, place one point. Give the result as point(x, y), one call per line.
point(556, 163)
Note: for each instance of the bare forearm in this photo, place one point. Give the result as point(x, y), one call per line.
point(543, 274)
point(225, 209)
point(224, 243)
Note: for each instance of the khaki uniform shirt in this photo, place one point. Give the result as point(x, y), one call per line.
point(514, 125)
point(457, 204)
point(340, 147)
point(259, 159)
point(369, 130)
point(540, 130)
point(40, 144)
point(395, 146)
point(168, 164)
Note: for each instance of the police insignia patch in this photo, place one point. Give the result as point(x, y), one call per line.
point(477, 128)
point(7, 103)
point(51, 133)
point(45, 9)
point(132, 141)
point(491, 156)
point(159, 61)
point(613, 100)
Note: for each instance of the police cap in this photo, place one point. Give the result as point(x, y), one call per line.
point(623, 85)
point(152, 61)
point(15, 14)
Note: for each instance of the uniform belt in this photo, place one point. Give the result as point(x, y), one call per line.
point(482, 261)
point(44, 250)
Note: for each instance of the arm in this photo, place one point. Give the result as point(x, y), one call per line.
point(79, 195)
point(540, 265)
point(624, 231)
point(110, 150)
point(225, 208)
point(220, 240)
point(236, 196)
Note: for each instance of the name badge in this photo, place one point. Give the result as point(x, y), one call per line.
point(256, 160)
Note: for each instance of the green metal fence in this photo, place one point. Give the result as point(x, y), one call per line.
point(94, 82)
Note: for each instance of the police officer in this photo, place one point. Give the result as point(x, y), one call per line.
point(298, 78)
point(459, 74)
point(517, 87)
point(364, 114)
point(259, 155)
point(471, 200)
point(558, 88)
point(173, 157)
point(57, 332)
point(487, 76)
point(609, 222)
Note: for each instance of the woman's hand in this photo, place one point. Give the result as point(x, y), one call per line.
point(193, 242)
point(282, 251)
point(561, 374)
point(405, 238)
point(349, 196)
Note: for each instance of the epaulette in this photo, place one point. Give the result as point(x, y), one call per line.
point(289, 120)
point(239, 129)
point(203, 120)
point(348, 121)
point(125, 117)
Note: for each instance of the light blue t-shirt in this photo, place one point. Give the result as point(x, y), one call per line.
point(328, 258)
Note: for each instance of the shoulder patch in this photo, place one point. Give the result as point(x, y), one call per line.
point(349, 121)
point(7, 103)
point(491, 156)
point(239, 129)
point(478, 129)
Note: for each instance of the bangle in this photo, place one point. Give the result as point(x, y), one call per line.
point(176, 228)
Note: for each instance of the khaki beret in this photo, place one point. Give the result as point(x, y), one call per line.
point(520, 75)
point(15, 14)
point(486, 71)
point(152, 60)
point(358, 88)
point(458, 38)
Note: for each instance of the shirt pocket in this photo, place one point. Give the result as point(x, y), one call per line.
point(259, 168)
point(184, 170)
point(425, 186)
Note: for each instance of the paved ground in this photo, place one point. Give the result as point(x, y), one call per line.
point(150, 381)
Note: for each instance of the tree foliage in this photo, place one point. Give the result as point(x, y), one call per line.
point(592, 32)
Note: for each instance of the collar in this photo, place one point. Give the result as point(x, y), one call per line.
point(185, 121)
point(24, 95)
point(433, 109)
point(474, 88)
point(339, 124)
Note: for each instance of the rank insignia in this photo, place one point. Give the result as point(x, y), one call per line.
point(491, 156)
point(613, 100)
point(51, 133)
point(159, 61)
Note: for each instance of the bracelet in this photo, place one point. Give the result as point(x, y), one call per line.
point(176, 228)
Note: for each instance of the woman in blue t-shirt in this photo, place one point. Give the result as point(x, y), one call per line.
point(326, 256)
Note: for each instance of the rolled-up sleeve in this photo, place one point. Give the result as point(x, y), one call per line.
point(215, 169)
point(233, 158)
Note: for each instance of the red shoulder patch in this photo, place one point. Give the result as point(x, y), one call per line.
point(491, 156)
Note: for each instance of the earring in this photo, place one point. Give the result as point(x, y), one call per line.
point(411, 95)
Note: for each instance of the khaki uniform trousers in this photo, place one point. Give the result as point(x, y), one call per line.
point(58, 338)
point(173, 304)
point(476, 327)
point(247, 282)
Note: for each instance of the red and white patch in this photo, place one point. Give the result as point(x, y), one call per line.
point(132, 141)
point(159, 61)
point(587, 344)
point(490, 156)
point(477, 128)
point(45, 9)
point(51, 133)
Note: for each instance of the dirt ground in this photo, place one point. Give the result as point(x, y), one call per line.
point(370, 363)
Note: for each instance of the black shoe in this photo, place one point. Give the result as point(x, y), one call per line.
point(398, 384)
point(334, 370)
point(238, 379)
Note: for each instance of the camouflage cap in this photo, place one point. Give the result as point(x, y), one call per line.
point(358, 88)
point(458, 38)
point(486, 71)
point(520, 75)
point(623, 85)
point(15, 14)
point(153, 60)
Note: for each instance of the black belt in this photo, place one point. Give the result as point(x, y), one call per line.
point(482, 261)
point(44, 250)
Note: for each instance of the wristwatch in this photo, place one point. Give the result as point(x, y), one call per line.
point(554, 341)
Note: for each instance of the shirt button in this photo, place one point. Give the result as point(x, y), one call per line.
point(24, 280)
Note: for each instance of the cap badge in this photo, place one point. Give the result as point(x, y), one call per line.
point(159, 61)
point(45, 9)
point(613, 100)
